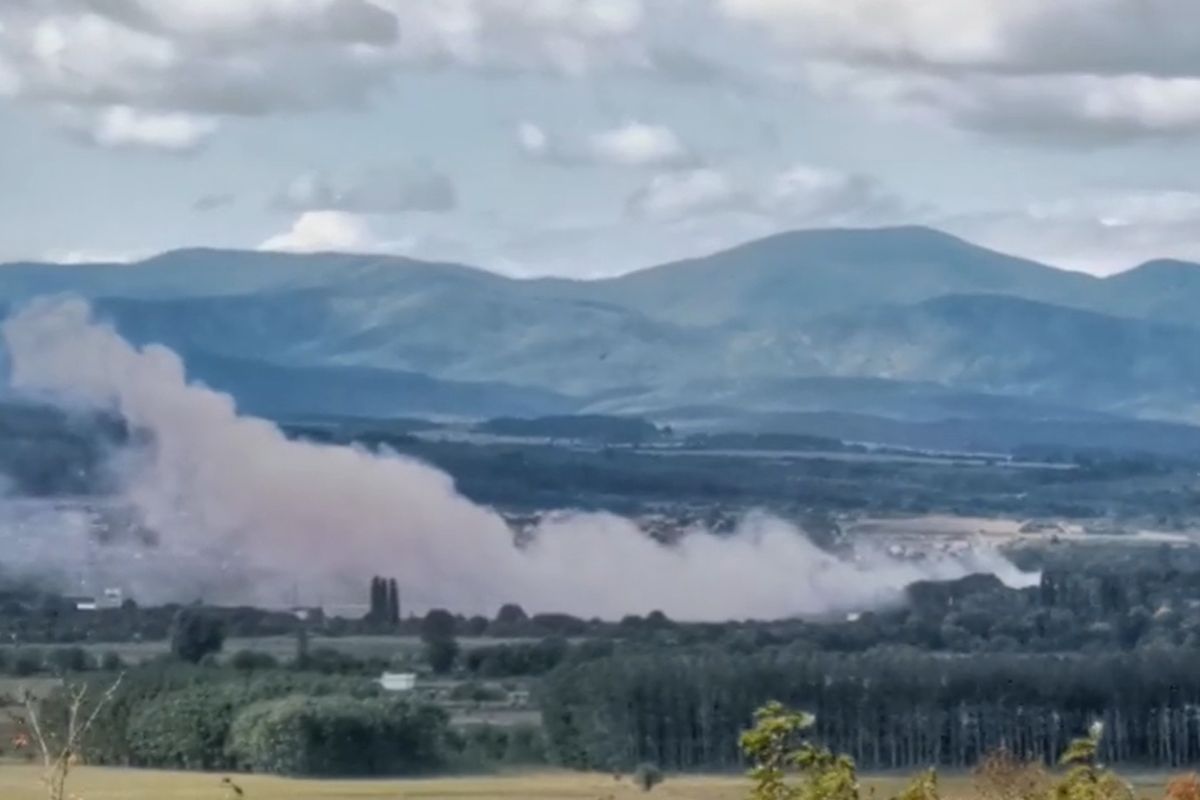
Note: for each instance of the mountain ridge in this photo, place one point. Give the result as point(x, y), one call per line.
point(909, 305)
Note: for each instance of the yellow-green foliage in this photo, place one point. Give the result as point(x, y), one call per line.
point(1085, 779)
point(776, 750)
point(923, 786)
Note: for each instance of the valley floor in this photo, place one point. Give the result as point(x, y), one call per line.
point(21, 783)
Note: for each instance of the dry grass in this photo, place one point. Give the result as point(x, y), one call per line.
point(20, 782)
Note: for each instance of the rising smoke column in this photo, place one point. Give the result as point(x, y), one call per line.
point(245, 514)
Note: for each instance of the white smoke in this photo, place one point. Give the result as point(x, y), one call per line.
point(244, 514)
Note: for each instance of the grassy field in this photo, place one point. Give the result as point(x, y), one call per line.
point(21, 783)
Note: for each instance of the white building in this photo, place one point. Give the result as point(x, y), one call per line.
point(398, 681)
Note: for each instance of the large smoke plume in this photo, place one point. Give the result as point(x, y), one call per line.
point(243, 514)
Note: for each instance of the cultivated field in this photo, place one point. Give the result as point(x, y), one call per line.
point(21, 783)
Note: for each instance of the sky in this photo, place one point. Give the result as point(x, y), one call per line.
point(591, 137)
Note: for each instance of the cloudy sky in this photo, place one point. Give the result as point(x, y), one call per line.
point(590, 137)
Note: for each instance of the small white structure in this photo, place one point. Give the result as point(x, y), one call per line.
point(398, 681)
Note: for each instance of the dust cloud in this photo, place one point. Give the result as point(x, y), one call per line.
point(242, 514)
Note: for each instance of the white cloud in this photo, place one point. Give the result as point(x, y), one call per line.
point(811, 196)
point(378, 190)
point(636, 144)
point(122, 126)
point(80, 59)
point(1101, 232)
point(1101, 37)
point(1076, 70)
point(631, 144)
point(322, 231)
point(532, 139)
point(562, 36)
point(678, 195)
point(801, 196)
point(88, 256)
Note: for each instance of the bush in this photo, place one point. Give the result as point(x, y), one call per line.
point(526, 745)
point(112, 662)
point(441, 655)
point(195, 634)
point(331, 661)
point(924, 786)
point(1003, 776)
point(1184, 787)
point(27, 662)
point(505, 660)
point(329, 736)
point(168, 714)
point(250, 660)
point(184, 729)
point(69, 659)
point(477, 693)
point(647, 776)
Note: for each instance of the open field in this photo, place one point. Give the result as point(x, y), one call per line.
point(21, 783)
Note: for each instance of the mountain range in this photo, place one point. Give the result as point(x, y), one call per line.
point(899, 323)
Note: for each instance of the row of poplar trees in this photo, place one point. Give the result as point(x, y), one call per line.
point(887, 710)
point(385, 601)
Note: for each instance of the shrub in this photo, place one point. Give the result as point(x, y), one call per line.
point(184, 729)
point(69, 659)
point(647, 776)
point(112, 662)
point(1085, 779)
point(441, 655)
point(774, 748)
point(250, 660)
point(195, 634)
point(27, 662)
point(1003, 776)
point(476, 693)
point(165, 701)
point(337, 735)
point(1183, 787)
point(924, 786)
point(331, 661)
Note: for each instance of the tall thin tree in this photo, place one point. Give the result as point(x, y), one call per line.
point(393, 602)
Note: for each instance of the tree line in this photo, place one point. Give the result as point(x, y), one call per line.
point(887, 709)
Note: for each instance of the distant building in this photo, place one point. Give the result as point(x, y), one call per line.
point(398, 681)
point(83, 603)
point(111, 598)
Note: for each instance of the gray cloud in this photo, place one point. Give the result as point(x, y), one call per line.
point(213, 201)
point(1101, 232)
point(798, 196)
point(379, 190)
point(79, 59)
point(633, 143)
point(1078, 71)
